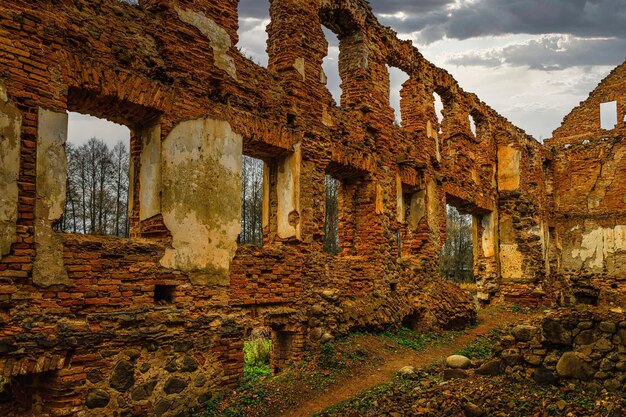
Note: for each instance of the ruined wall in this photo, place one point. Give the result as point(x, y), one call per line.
point(581, 346)
point(156, 323)
point(588, 177)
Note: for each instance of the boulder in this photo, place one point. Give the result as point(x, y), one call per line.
point(458, 362)
point(574, 365)
point(407, 370)
point(554, 332)
point(492, 367)
point(524, 333)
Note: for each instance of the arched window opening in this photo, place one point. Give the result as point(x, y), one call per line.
point(330, 65)
point(397, 78)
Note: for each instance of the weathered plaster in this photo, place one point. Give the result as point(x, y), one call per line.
point(150, 181)
point(417, 209)
point(433, 204)
point(596, 250)
point(488, 238)
point(511, 258)
point(288, 185)
point(508, 168)
point(218, 39)
point(202, 198)
point(48, 268)
point(10, 129)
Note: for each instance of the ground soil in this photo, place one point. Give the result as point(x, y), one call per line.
point(390, 361)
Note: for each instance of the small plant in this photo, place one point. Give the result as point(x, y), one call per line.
point(257, 351)
point(478, 349)
point(410, 339)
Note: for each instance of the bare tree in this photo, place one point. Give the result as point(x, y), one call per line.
point(251, 201)
point(331, 215)
point(97, 189)
point(457, 258)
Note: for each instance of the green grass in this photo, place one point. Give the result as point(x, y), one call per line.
point(257, 353)
point(418, 340)
point(478, 349)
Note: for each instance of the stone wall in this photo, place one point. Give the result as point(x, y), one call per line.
point(581, 346)
point(181, 292)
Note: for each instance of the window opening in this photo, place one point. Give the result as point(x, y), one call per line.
point(252, 201)
point(331, 217)
point(397, 78)
point(164, 294)
point(438, 109)
point(254, 16)
point(472, 123)
point(98, 158)
point(608, 115)
point(457, 256)
point(330, 65)
point(257, 351)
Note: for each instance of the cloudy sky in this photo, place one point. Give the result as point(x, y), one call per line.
point(531, 60)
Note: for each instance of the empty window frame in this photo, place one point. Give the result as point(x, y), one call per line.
point(252, 189)
point(608, 115)
point(330, 65)
point(331, 215)
point(397, 78)
point(438, 110)
point(457, 254)
point(254, 16)
point(472, 123)
point(98, 159)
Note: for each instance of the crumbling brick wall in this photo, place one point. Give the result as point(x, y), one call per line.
point(588, 176)
point(156, 323)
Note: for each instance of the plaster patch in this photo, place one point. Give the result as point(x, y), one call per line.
point(508, 168)
point(432, 193)
point(218, 38)
point(417, 209)
point(489, 235)
point(202, 162)
point(150, 180)
point(511, 260)
point(48, 268)
point(288, 184)
point(596, 249)
point(10, 130)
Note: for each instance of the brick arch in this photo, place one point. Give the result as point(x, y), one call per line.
point(121, 97)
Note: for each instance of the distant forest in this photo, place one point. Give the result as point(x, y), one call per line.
point(97, 189)
point(457, 256)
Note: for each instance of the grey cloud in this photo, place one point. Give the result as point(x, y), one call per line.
point(586, 18)
point(254, 8)
point(554, 52)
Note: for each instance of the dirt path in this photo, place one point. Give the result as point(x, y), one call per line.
point(393, 361)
